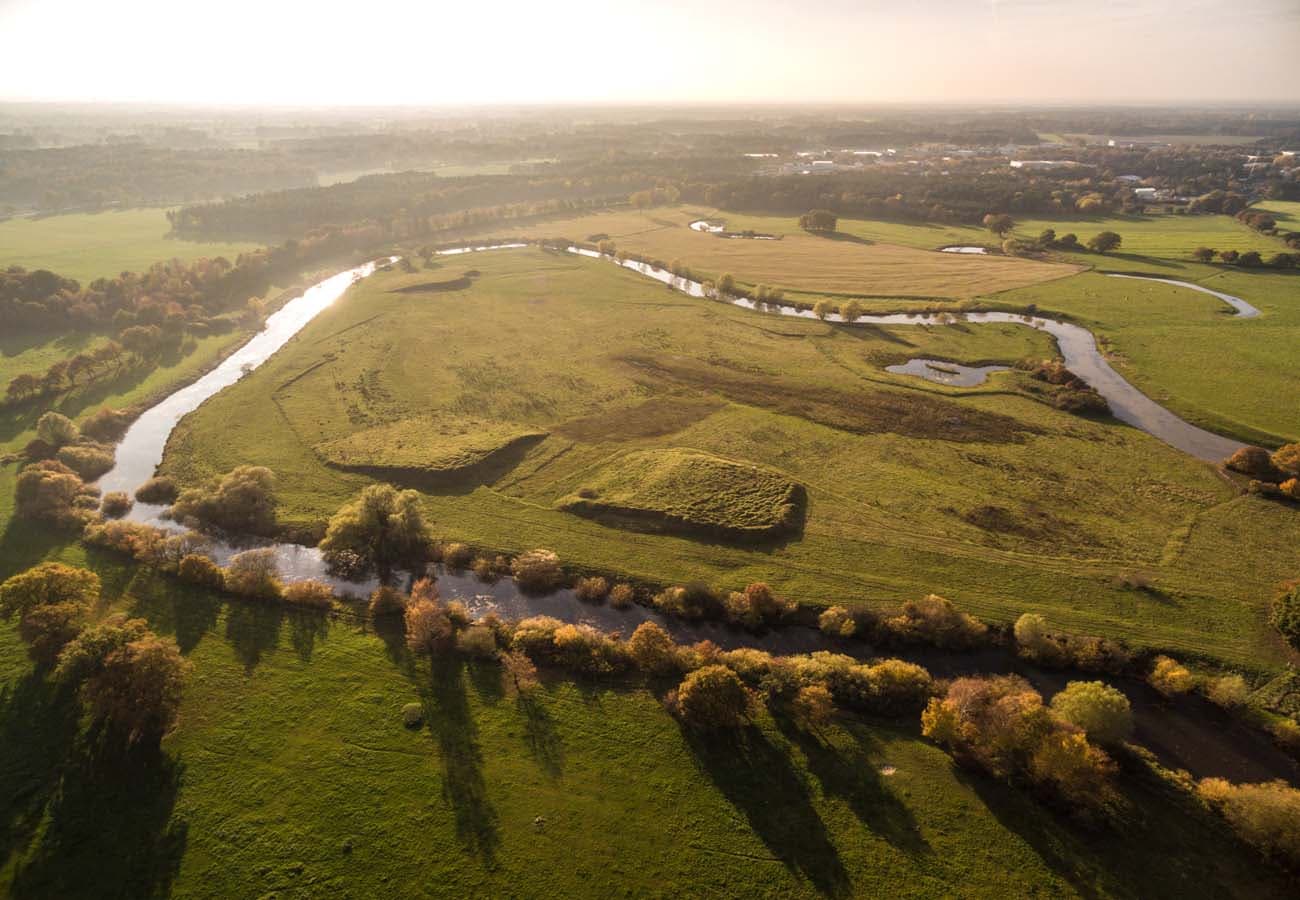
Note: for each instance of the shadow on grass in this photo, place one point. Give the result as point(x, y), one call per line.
point(171, 607)
point(842, 236)
point(38, 723)
point(463, 787)
point(758, 779)
point(540, 734)
point(851, 775)
point(307, 628)
point(253, 630)
point(24, 544)
point(108, 829)
point(1161, 843)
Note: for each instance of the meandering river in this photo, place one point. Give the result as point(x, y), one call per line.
point(1181, 736)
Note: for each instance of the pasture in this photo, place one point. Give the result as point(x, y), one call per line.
point(835, 264)
point(291, 774)
point(86, 246)
point(899, 472)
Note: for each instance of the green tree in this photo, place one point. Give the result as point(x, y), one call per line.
point(999, 223)
point(1099, 709)
point(383, 527)
point(1203, 254)
point(820, 221)
point(823, 308)
point(1104, 242)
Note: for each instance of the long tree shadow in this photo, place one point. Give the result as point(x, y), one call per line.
point(253, 630)
point(307, 628)
point(758, 779)
point(187, 612)
point(851, 775)
point(541, 735)
point(38, 723)
point(1161, 843)
point(24, 544)
point(109, 829)
point(463, 786)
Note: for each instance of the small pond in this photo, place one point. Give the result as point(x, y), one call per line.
point(942, 372)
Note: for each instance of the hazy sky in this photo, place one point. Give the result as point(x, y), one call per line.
point(435, 52)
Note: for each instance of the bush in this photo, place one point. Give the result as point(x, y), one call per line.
point(584, 649)
point(137, 691)
point(836, 621)
point(621, 596)
point(593, 589)
point(309, 594)
point(1285, 614)
point(56, 429)
point(456, 556)
point(89, 461)
point(897, 687)
point(160, 489)
point(115, 504)
point(1266, 816)
point(428, 629)
point(1101, 711)
point(202, 571)
point(49, 491)
point(1034, 640)
point(1076, 770)
point(1255, 462)
point(477, 641)
point(387, 601)
point(412, 715)
point(536, 636)
point(1287, 459)
point(537, 571)
point(690, 602)
point(713, 697)
point(1169, 677)
point(107, 425)
point(934, 620)
point(1227, 691)
point(255, 574)
point(652, 650)
point(757, 606)
point(812, 707)
point(242, 500)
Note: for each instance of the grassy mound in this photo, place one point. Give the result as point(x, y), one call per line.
point(430, 447)
point(693, 493)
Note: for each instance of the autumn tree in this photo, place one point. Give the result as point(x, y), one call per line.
point(713, 697)
point(51, 601)
point(137, 691)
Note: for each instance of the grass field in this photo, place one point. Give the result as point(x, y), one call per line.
point(896, 469)
point(291, 775)
point(801, 261)
point(86, 246)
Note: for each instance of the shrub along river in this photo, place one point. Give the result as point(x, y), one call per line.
point(1188, 733)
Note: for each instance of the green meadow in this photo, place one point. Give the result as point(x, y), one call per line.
point(291, 775)
point(86, 246)
point(986, 495)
